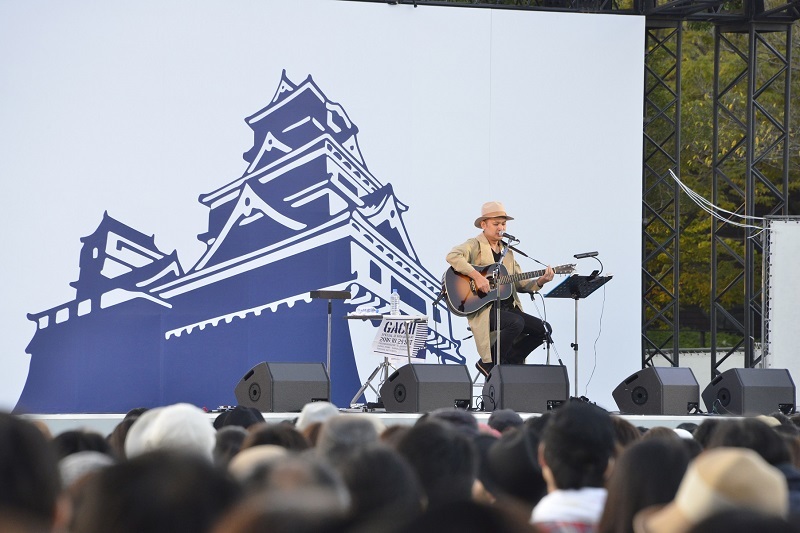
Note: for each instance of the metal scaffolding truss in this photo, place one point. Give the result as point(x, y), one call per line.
point(751, 175)
point(660, 194)
point(750, 163)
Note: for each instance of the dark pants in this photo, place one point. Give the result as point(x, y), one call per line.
point(520, 334)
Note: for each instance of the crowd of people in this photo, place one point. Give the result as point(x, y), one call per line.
point(575, 469)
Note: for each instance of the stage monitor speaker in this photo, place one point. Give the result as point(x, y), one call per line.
point(750, 391)
point(283, 387)
point(658, 391)
point(526, 388)
point(419, 388)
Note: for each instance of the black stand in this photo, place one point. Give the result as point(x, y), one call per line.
point(330, 295)
point(383, 368)
point(577, 287)
point(497, 307)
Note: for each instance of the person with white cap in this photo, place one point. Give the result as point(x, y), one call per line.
point(520, 333)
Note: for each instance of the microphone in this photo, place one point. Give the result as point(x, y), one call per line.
point(508, 236)
point(585, 255)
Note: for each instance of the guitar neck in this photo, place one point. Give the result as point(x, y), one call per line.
point(510, 278)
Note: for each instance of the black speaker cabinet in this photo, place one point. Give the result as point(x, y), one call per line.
point(283, 387)
point(419, 388)
point(658, 391)
point(750, 391)
point(526, 388)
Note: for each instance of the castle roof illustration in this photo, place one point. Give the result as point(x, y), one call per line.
point(305, 214)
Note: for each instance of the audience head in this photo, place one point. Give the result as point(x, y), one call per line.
point(646, 473)
point(468, 517)
point(315, 412)
point(444, 459)
point(576, 446)
point(625, 433)
point(240, 416)
point(282, 434)
point(743, 521)
point(228, 443)
point(343, 435)
point(161, 491)
point(307, 510)
point(719, 480)
point(704, 431)
point(460, 419)
point(514, 469)
point(251, 465)
point(394, 434)
point(660, 432)
point(75, 441)
point(29, 476)
point(77, 465)
point(503, 419)
point(116, 440)
point(753, 434)
point(181, 427)
point(288, 473)
point(384, 489)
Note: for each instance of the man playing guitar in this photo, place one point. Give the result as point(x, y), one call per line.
point(520, 333)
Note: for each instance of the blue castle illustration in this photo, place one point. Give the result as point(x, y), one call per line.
point(306, 214)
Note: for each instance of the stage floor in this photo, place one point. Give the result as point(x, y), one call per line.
point(105, 423)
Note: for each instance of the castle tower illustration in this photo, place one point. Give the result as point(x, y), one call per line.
point(306, 214)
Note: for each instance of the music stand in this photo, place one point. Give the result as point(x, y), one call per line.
point(383, 368)
point(330, 296)
point(577, 287)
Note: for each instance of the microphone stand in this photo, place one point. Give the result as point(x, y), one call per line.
point(497, 302)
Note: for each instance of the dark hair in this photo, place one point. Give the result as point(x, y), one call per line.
point(240, 415)
point(625, 433)
point(646, 473)
point(688, 426)
point(383, 486)
point(75, 441)
point(282, 434)
point(462, 420)
point(136, 412)
point(444, 459)
point(29, 472)
point(116, 440)
point(503, 419)
point(753, 434)
point(742, 521)
point(156, 492)
point(514, 468)
point(705, 430)
point(578, 443)
point(227, 444)
point(468, 517)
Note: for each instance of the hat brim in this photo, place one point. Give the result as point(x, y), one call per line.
point(491, 215)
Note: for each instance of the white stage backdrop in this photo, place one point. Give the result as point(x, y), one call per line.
point(136, 109)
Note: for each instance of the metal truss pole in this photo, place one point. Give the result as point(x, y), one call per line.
point(750, 175)
point(660, 193)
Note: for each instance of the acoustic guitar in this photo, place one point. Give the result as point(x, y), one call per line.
point(464, 298)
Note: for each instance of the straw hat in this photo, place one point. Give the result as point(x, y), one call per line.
point(719, 480)
point(492, 210)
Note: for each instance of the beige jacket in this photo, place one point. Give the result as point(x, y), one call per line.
point(477, 251)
